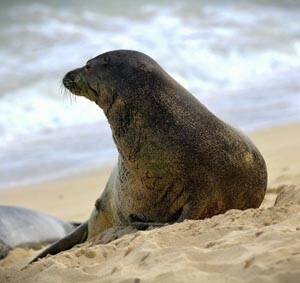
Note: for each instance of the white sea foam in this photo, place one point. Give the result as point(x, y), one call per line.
point(36, 110)
point(197, 66)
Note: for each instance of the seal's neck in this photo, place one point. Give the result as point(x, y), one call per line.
point(153, 122)
point(125, 126)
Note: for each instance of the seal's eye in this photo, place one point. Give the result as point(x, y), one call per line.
point(87, 66)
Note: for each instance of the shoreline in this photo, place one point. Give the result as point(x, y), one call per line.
point(63, 153)
point(55, 154)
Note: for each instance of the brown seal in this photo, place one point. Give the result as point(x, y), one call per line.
point(177, 160)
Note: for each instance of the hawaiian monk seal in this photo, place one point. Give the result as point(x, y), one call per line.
point(177, 160)
point(22, 227)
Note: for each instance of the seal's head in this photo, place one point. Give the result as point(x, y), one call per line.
point(111, 75)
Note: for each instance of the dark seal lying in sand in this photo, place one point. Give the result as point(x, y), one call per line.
point(177, 160)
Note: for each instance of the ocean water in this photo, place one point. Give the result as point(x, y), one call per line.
point(239, 58)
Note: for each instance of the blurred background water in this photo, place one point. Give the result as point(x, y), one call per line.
point(239, 58)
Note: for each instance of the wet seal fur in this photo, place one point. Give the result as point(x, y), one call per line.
point(177, 160)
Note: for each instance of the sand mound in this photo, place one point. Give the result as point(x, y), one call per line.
point(256, 245)
point(288, 195)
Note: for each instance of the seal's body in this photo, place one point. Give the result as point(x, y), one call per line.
point(21, 227)
point(177, 160)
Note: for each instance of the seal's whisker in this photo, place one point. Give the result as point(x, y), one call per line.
point(63, 91)
point(66, 93)
point(73, 97)
point(62, 88)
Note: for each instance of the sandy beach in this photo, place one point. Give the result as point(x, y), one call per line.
point(241, 59)
point(256, 245)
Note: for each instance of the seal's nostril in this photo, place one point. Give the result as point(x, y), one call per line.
point(69, 79)
point(67, 82)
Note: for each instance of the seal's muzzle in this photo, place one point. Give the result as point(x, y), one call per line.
point(69, 80)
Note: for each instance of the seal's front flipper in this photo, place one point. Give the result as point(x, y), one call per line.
point(146, 225)
point(140, 223)
point(78, 236)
